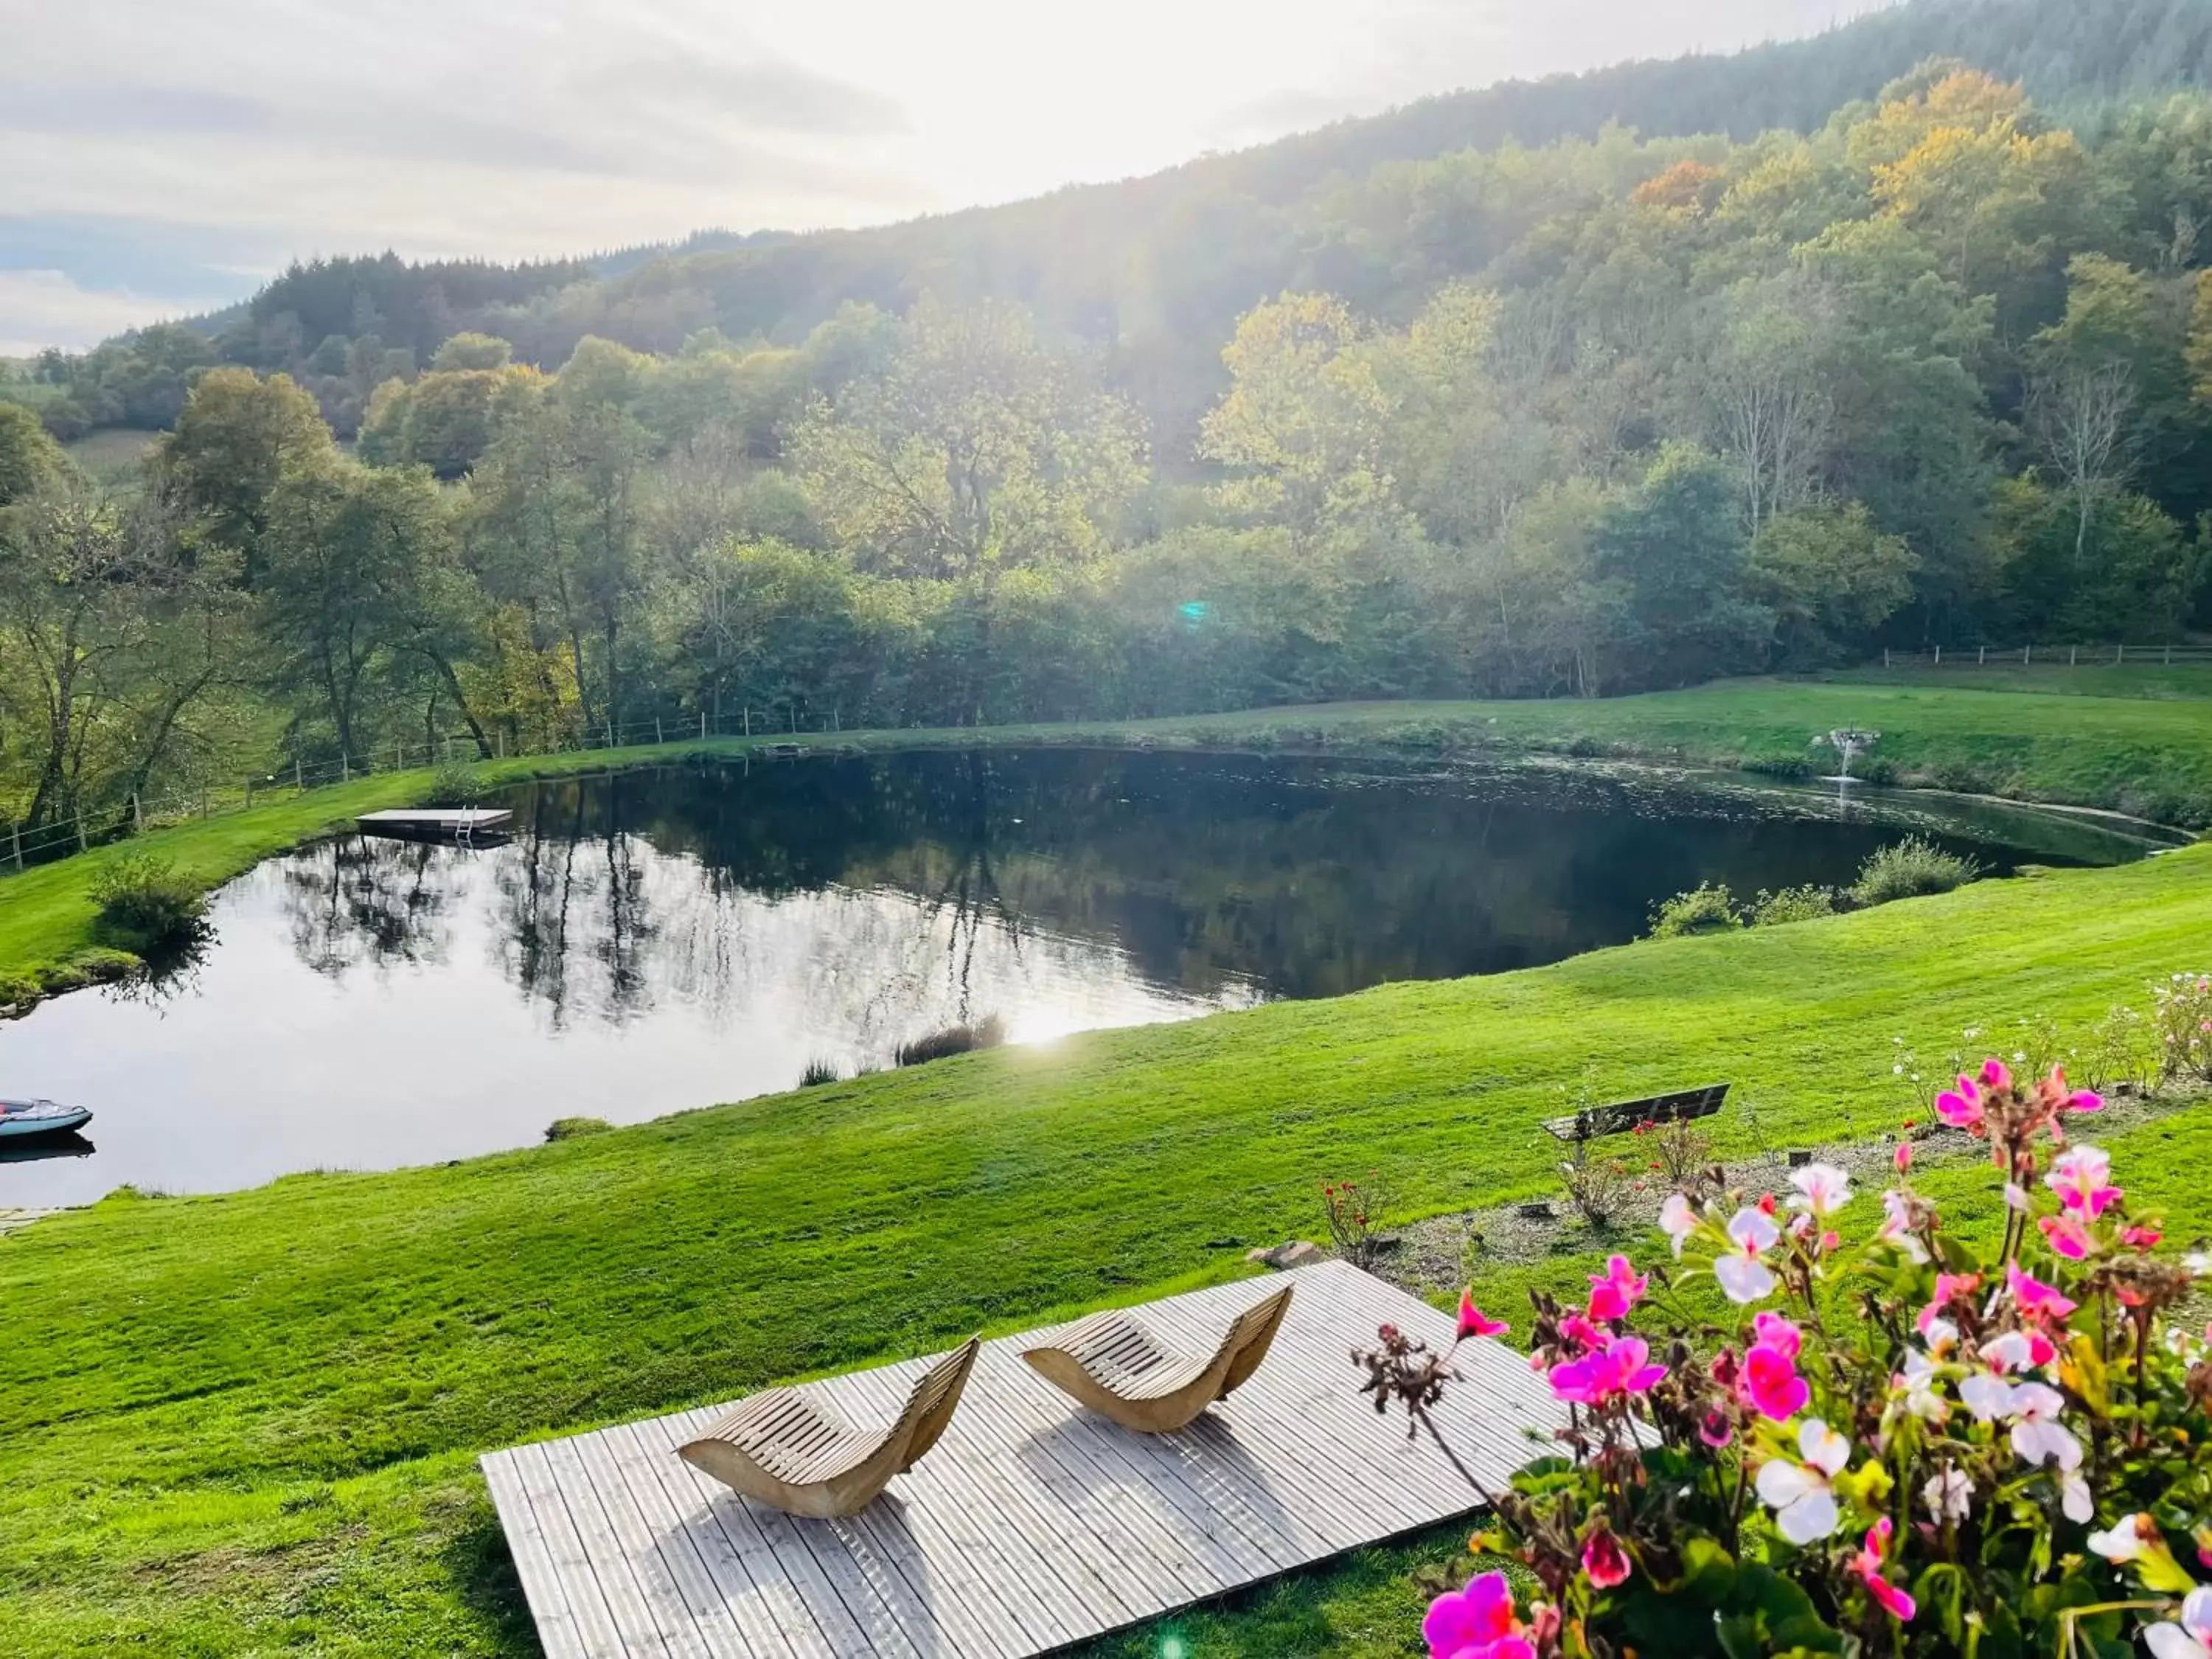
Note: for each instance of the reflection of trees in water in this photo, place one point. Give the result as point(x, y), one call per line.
point(566, 897)
point(864, 895)
point(359, 899)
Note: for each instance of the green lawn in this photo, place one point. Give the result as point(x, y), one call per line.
point(2143, 755)
point(247, 1422)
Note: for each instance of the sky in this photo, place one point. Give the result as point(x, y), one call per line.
point(166, 158)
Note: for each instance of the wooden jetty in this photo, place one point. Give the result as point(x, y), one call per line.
point(460, 823)
point(1032, 1524)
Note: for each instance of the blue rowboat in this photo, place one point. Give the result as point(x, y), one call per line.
point(40, 1117)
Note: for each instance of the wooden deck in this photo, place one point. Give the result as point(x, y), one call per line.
point(1033, 1524)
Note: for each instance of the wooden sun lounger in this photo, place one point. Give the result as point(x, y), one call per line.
point(794, 1453)
point(1110, 1363)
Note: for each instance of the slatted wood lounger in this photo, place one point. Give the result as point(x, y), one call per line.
point(799, 1457)
point(1112, 1364)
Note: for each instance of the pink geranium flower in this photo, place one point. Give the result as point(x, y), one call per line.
point(1476, 1623)
point(2081, 1175)
point(2037, 1299)
point(1619, 1368)
point(2066, 1235)
point(1961, 1107)
point(1619, 1288)
point(1771, 1380)
point(1867, 1563)
point(1604, 1560)
point(1473, 1321)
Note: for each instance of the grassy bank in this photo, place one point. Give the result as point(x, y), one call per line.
point(244, 1423)
point(2145, 755)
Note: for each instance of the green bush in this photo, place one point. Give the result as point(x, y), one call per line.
point(572, 1128)
point(1710, 908)
point(1792, 904)
point(987, 1033)
point(818, 1072)
point(454, 784)
point(145, 905)
point(1911, 869)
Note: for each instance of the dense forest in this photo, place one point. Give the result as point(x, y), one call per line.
point(1523, 418)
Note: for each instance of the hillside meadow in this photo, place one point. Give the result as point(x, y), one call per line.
point(249, 1421)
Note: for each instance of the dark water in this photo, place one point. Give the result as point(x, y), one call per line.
point(669, 938)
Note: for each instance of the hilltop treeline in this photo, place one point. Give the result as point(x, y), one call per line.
point(1606, 414)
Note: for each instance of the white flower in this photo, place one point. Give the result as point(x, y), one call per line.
point(2010, 1352)
point(2015, 1195)
point(1678, 1219)
point(1803, 1503)
point(1949, 1496)
point(1988, 1397)
point(1744, 1278)
point(1822, 1189)
point(1920, 1377)
point(2189, 1637)
point(1940, 1336)
point(1897, 1227)
point(2074, 1498)
point(2124, 1541)
point(2037, 1434)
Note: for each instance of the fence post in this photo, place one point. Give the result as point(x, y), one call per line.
point(137, 814)
point(249, 793)
point(1982, 661)
point(702, 725)
point(794, 720)
point(80, 842)
point(748, 712)
point(611, 731)
point(1885, 656)
point(299, 777)
point(659, 736)
point(2072, 655)
point(15, 835)
point(1939, 656)
point(2169, 656)
point(204, 800)
point(2119, 655)
point(2026, 655)
point(345, 768)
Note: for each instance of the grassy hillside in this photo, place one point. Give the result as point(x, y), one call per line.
point(247, 1422)
point(2148, 754)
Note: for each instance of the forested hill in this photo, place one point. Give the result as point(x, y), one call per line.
point(1153, 270)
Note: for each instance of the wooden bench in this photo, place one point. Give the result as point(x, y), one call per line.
point(1678, 1107)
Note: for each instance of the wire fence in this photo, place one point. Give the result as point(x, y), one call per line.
point(2048, 656)
point(91, 827)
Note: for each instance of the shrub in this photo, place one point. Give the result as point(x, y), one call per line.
point(953, 1040)
point(572, 1128)
point(1355, 1216)
point(818, 1072)
point(1807, 903)
point(1710, 908)
point(1681, 1151)
point(146, 906)
point(2183, 1012)
point(1925, 1442)
point(455, 784)
point(1598, 1187)
point(1910, 868)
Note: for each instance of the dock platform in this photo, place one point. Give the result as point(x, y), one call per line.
point(1032, 1524)
point(461, 823)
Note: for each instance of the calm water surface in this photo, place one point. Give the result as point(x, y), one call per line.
point(664, 940)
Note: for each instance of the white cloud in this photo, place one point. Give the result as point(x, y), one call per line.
point(508, 128)
point(42, 308)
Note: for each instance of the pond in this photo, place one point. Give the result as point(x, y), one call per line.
point(667, 939)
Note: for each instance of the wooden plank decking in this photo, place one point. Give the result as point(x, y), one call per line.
point(1033, 1524)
